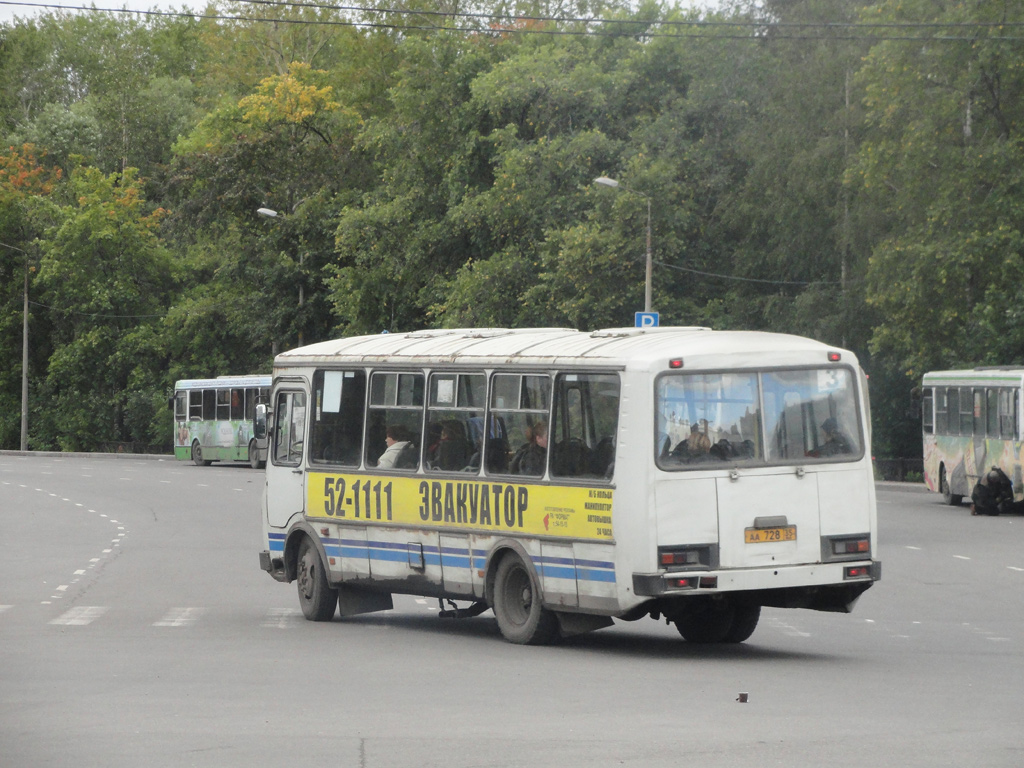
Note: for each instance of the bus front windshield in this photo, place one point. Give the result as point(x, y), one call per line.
point(772, 417)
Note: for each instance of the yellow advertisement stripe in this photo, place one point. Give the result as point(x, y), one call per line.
point(579, 513)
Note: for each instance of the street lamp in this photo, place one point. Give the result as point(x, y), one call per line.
point(270, 213)
point(24, 354)
point(605, 181)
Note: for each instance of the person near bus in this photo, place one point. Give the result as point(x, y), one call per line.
point(400, 446)
point(992, 494)
point(532, 455)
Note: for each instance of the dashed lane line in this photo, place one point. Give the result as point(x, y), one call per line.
point(80, 616)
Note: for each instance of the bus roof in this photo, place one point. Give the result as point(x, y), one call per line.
point(697, 347)
point(977, 376)
point(224, 382)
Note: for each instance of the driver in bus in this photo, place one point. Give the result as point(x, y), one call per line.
point(835, 441)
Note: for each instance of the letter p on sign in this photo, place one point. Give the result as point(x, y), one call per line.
point(646, 319)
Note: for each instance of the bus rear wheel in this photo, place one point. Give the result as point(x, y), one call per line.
point(197, 455)
point(706, 621)
point(718, 622)
point(744, 622)
point(318, 600)
point(948, 496)
point(517, 606)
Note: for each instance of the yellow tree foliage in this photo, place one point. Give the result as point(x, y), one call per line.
point(295, 97)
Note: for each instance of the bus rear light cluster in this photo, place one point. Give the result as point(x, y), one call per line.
point(851, 546)
point(669, 558)
point(834, 357)
point(857, 572)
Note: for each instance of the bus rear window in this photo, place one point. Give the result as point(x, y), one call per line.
point(757, 418)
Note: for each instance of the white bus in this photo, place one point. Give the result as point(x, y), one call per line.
point(565, 479)
point(213, 419)
point(970, 421)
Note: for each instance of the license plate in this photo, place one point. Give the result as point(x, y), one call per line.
point(766, 535)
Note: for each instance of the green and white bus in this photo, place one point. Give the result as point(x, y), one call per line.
point(567, 479)
point(971, 422)
point(213, 419)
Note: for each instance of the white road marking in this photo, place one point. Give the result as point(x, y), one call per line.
point(916, 549)
point(1015, 568)
point(789, 629)
point(281, 618)
point(80, 616)
point(961, 557)
point(180, 617)
point(5, 608)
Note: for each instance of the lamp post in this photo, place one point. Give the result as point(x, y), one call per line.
point(605, 181)
point(270, 213)
point(24, 353)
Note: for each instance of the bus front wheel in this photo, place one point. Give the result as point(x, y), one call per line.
point(254, 456)
point(197, 455)
point(517, 606)
point(318, 600)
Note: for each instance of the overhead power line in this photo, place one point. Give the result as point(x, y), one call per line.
point(649, 28)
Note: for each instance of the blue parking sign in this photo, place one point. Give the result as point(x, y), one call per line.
point(646, 319)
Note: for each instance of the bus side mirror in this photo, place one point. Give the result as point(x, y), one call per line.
point(259, 427)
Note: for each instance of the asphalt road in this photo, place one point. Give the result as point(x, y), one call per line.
point(136, 629)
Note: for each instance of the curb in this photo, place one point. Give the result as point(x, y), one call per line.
point(84, 455)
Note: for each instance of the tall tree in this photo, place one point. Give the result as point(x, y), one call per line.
point(105, 279)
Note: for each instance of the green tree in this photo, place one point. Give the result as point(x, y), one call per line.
point(105, 279)
point(940, 169)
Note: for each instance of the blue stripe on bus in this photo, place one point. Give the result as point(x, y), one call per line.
point(276, 542)
point(455, 557)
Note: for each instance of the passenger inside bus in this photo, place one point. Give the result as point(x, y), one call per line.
point(450, 451)
point(401, 451)
point(532, 455)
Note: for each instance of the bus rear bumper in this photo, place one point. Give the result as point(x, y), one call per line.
point(827, 587)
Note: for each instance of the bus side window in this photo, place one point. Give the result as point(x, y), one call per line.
point(339, 398)
point(195, 405)
point(992, 413)
point(517, 440)
point(289, 427)
point(585, 421)
point(396, 400)
point(237, 404)
point(209, 412)
point(454, 409)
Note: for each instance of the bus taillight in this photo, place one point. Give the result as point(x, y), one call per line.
point(857, 572)
point(851, 546)
point(681, 583)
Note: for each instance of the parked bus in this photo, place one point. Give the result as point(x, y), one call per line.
point(213, 419)
point(565, 479)
point(970, 422)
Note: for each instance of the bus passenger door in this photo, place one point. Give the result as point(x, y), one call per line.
point(285, 469)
